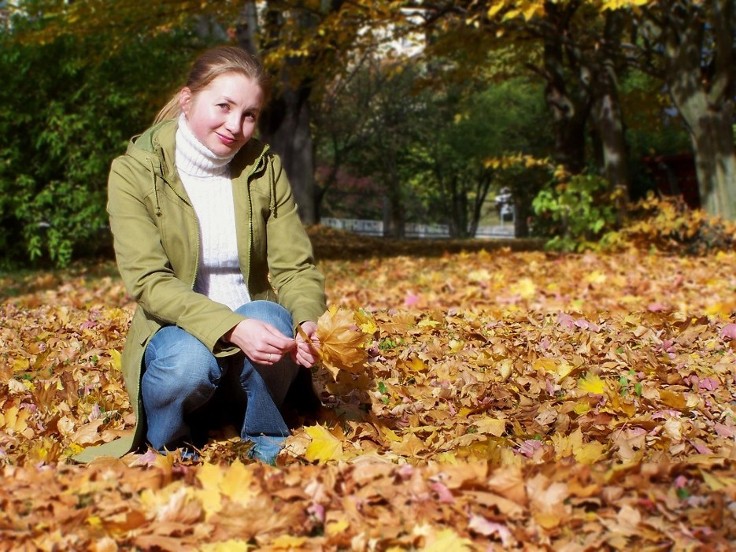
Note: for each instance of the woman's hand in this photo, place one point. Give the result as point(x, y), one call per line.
point(306, 352)
point(261, 342)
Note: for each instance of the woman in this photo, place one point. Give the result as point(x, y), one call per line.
point(209, 243)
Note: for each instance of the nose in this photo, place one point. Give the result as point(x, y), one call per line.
point(232, 123)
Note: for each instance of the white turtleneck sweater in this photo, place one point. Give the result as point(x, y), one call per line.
point(206, 178)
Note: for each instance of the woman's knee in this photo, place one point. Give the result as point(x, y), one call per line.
point(271, 313)
point(177, 363)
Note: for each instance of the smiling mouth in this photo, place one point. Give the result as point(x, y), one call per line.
point(226, 139)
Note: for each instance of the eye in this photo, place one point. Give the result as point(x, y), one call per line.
point(224, 107)
point(251, 115)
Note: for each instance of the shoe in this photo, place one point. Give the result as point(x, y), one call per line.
point(265, 448)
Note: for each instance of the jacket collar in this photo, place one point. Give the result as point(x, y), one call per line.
point(156, 147)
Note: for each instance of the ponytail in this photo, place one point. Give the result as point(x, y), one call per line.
point(170, 111)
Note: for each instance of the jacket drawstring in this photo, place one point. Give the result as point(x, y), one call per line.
point(155, 189)
point(272, 206)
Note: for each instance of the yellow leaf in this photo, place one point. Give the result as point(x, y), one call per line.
point(524, 288)
point(589, 453)
point(237, 481)
point(717, 483)
point(390, 434)
point(336, 527)
point(287, 542)
point(494, 9)
point(505, 369)
point(592, 384)
point(324, 446)
point(20, 364)
point(720, 310)
point(456, 345)
point(210, 477)
point(480, 275)
point(596, 277)
point(414, 365)
point(492, 426)
point(366, 322)
point(447, 540)
point(226, 546)
point(533, 10)
point(117, 359)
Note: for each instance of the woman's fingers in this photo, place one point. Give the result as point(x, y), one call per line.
point(260, 341)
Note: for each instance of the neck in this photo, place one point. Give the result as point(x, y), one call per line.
point(193, 157)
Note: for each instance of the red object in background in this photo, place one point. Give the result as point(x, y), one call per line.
point(675, 175)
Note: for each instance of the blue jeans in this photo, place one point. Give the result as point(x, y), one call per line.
point(181, 376)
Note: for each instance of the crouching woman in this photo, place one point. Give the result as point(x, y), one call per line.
point(209, 243)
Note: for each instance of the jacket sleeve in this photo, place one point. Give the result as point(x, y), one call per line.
point(300, 286)
point(145, 266)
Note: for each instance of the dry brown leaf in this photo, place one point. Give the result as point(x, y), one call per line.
point(342, 343)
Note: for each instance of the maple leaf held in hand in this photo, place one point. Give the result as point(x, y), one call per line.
point(342, 343)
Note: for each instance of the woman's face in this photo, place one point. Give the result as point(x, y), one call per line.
point(223, 115)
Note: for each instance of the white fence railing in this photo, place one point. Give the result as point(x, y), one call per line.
point(413, 229)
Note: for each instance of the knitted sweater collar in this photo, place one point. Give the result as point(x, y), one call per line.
point(194, 158)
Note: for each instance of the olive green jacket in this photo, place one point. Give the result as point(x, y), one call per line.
point(156, 241)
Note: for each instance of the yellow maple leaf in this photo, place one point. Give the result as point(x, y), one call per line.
point(335, 527)
point(525, 288)
point(366, 322)
point(342, 343)
point(117, 359)
point(413, 365)
point(210, 477)
point(492, 426)
point(592, 384)
point(226, 546)
point(447, 540)
point(596, 277)
point(287, 542)
point(237, 481)
point(324, 446)
point(589, 453)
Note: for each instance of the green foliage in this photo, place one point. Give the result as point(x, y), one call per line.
point(65, 112)
point(576, 213)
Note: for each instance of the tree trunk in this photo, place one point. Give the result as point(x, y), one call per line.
point(393, 213)
point(459, 223)
point(285, 125)
point(285, 122)
point(703, 90)
point(569, 102)
point(715, 163)
point(607, 114)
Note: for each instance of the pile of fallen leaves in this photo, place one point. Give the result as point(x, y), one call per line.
point(497, 400)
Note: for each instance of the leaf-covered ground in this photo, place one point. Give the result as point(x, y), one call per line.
point(510, 400)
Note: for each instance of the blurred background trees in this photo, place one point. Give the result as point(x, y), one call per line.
point(395, 111)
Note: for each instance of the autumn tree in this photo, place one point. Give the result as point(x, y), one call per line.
point(573, 48)
point(303, 43)
point(691, 47)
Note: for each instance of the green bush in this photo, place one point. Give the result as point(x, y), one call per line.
point(65, 113)
point(574, 215)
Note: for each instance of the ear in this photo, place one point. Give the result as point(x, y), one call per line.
point(185, 100)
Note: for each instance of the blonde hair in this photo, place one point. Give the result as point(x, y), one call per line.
point(210, 65)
